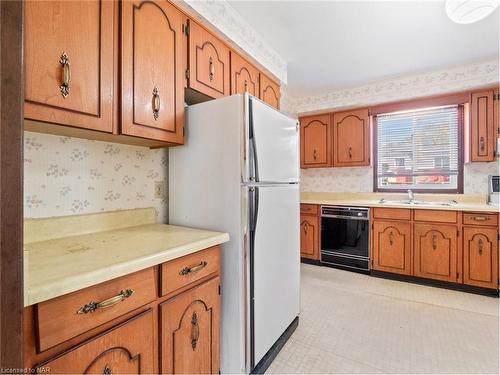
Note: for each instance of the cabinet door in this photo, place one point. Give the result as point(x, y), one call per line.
point(309, 237)
point(482, 131)
point(125, 349)
point(315, 142)
point(351, 135)
point(392, 247)
point(152, 71)
point(208, 62)
point(189, 325)
point(69, 63)
point(269, 91)
point(436, 252)
point(481, 257)
point(244, 76)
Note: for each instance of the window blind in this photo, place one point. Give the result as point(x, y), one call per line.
point(418, 149)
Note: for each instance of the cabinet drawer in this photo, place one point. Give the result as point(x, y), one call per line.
point(471, 218)
point(436, 216)
point(312, 209)
point(64, 317)
point(125, 349)
point(392, 213)
point(181, 272)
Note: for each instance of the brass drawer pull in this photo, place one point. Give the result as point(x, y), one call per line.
point(391, 238)
point(315, 154)
point(93, 306)
point(480, 246)
point(481, 218)
point(188, 270)
point(66, 76)
point(350, 152)
point(482, 145)
point(434, 242)
point(156, 103)
point(211, 69)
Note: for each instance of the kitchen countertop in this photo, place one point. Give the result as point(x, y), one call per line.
point(470, 203)
point(84, 256)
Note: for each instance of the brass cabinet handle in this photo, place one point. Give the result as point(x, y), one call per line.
point(391, 238)
point(195, 330)
point(481, 144)
point(480, 246)
point(350, 152)
point(107, 370)
point(246, 85)
point(434, 242)
point(211, 69)
point(93, 306)
point(315, 154)
point(481, 218)
point(188, 270)
point(66, 75)
point(305, 228)
point(156, 103)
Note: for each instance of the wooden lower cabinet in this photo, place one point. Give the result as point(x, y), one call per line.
point(309, 236)
point(436, 252)
point(120, 350)
point(189, 326)
point(481, 257)
point(391, 247)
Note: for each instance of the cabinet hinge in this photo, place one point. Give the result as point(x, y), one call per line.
point(372, 225)
point(458, 233)
point(185, 29)
point(187, 73)
point(498, 236)
point(219, 289)
point(458, 275)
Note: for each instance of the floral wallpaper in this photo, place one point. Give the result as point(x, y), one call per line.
point(69, 176)
point(360, 179)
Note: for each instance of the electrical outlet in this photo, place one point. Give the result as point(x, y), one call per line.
point(159, 189)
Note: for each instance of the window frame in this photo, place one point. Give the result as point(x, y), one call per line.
point(458, 99)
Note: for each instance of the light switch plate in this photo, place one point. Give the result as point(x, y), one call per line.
point(159, 189)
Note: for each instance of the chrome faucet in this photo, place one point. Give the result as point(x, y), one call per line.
point(411, 197)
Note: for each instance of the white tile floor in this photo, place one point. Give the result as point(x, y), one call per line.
point(357, 324)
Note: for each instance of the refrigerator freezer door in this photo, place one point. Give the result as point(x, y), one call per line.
point(275, 144)
point(275, 269)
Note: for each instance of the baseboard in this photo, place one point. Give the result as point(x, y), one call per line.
point(275, 349)
point(314, 262)
point(436, 283)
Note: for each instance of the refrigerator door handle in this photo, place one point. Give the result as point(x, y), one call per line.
point(254, 166)
point(254, 213)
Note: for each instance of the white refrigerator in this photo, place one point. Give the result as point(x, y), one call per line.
point(238, 172)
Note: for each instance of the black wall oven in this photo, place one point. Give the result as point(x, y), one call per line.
point(345, 237)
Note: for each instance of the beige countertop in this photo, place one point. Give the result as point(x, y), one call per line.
point(471, 203)
point(84, 257)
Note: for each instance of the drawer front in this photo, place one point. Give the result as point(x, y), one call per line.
point(125, 349)
point(64, 317)
point(471, 218)
point(311, 209)
point(184, 271)
point(392, 213)
point(436, 216)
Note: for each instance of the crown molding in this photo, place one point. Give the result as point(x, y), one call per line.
point(443, 81)
point(233, 26)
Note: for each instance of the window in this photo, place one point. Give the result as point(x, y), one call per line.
point(419, 150)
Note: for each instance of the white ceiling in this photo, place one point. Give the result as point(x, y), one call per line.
point(333, 44)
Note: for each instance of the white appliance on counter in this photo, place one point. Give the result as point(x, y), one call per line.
point(239, 173)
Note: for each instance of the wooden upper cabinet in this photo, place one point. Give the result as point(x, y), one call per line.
point(496, 114)
point(209, 68)
point(244, 76)
point(152, 71)
point(436, 252)
point(351, 138)
point(482, 128)
point(309, 236)
point(269, 91)
point(481, 257)
point(69, 63)
point(391, 248)
point(126, 349)
point(190, 331)
point(315, 142)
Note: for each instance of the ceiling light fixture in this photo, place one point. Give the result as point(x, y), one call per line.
point(470, 11)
